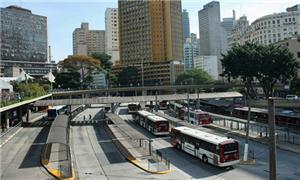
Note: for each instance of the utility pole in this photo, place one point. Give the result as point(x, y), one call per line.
point(247, 131)
point(272, 139)
point(156, 105)
point(142, 67)
point(188, 105)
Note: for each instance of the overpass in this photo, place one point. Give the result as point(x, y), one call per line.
point(127, 99)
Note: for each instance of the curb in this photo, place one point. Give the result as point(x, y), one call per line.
point(255, 139)
point(135, 162)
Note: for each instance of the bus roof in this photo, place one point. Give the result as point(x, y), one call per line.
point(56, 107)
point(156, 118)
point(258, 110)
point(145, 113)
point(176, 104)
point(212, 138)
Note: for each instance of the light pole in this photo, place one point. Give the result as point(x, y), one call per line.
point(142, 67)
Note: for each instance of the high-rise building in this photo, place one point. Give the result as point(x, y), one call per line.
point(238, 32)
point(24, 42)
point(228, 23)
point(150, 31)
point(112, 34)
point(191, 51)
point(87, 42)
point(185, 24)
point(208, 64)
point(212, 35)
point(268, 29)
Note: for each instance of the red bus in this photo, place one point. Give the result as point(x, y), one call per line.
point(155, 124)
point(210, 148)
point(197, 117)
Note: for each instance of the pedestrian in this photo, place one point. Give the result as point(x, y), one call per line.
point(84, 117)
point(90, 116)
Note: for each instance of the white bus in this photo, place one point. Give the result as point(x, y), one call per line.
point(133, 107)
point(210, 148)
point(197, 117)
point(155, 124)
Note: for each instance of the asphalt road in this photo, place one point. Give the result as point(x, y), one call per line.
point(288, 165)
point(20, 157)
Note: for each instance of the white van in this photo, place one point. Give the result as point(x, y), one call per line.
point(291, 97)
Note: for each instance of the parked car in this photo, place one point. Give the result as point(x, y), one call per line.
point(291, 97)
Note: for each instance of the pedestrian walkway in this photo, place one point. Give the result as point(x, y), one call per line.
point(136, 147)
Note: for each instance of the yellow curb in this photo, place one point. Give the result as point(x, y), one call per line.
point(135, 162)
point(56, 173)
point(249, 162)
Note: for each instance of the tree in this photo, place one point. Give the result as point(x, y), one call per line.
point(129, 75)
point(104, 60)
point(266, 64)
point(195, 76)
point(67, 80)
point(84, 64)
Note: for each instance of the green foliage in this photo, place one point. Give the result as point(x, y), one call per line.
point(104, 60)
point(195, 76)
point(29, 89)
point(67, 80)
point(128, 75)
point(295, 86)
point(268, 64)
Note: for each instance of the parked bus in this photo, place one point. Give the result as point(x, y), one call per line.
point(53, 111)
point(163, 105)
point(210, 148)
point(175, 108)
point(155, 124)
point(133, 108)
point(197, 117)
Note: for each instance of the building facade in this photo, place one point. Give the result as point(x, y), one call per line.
point(208, 64)
point(150, 31)
point(112, 34)
point(271, 28)
point(185, 24)
point(99, 80)
point(239, 31)
point(24, 42)
point(156, 73)
point(191, 50)
point(87, 42)
point(213, 38)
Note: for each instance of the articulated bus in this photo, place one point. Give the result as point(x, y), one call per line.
point(154, 124)
point(210, 148)
point(197, 117)
point(133, 108)
point(53, 111)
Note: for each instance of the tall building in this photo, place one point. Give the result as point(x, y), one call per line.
point(185, 24)
point(212, 35)
point(191, 51)
point(228, 23)
point(269, 29)
point(87, 42)
point(24, 42)
point(237, 35)
point(150, 31)
point(112, 34)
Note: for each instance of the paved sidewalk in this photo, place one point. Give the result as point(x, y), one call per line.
point(254, 137)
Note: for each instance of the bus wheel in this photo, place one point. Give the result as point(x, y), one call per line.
point(204, 159)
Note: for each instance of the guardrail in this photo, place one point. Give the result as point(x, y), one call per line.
point(5, 136)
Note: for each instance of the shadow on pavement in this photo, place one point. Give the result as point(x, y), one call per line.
point(110, 150)
point(32, 157)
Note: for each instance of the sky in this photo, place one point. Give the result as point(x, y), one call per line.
point(66, 15)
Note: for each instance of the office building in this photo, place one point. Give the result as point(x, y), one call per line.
point(213, 40)
point(24, 42)
point(191, 50)
point(185, 24)
point(150, 31)
point(270, 29)
point(112, 34)
point(155, 73)
point(87, 42)
point(208, 64)
point(239, 31)
point(99, 80)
